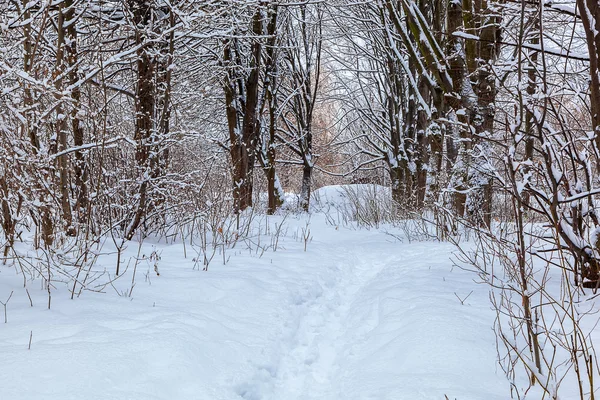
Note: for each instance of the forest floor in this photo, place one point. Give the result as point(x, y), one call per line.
point(361, 314)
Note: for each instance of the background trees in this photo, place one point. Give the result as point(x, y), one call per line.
point(413, 87)
point(99, 96)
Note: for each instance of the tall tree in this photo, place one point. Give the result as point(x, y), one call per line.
point(242, 90)
point(303, 47)
point(153, 34)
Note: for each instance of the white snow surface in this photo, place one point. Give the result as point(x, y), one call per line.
point(358, 316)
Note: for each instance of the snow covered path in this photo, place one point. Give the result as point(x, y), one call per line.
point(358, 316)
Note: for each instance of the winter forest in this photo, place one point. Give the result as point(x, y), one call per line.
point(299, 199)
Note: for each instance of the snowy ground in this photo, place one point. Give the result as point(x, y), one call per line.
point(358, 316)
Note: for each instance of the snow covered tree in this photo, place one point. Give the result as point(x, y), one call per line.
point(302, 48)
point(244, 53)
point(153, 26)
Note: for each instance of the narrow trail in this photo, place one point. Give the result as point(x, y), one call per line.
point(377, 323)
point(311, 362)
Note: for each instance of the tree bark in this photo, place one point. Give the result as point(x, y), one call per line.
point(589, 11)
point(232, 110)
point(62, 122)
point(457, 107)
point(529, 124)
point(486, 94)
point(29, 126)
point(274, 190)
point(79, 166)
point(8, 220)
point(422, 149)
point(250, 127)
point(144, 107)
point(306, 187)
point(397, 176)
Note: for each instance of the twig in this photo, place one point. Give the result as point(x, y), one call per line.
point(28, 295)
point(4, 304)
point(462, 301)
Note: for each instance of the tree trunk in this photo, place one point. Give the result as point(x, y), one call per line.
point(306, 186)
point(398, 189)
point(422, 149)
point(274, 189)
point(79, 166)
point(458, 155)
point(589, 11)
point(8, 220)
point(251, 127)
point(486, 98)
point(62, 123)
point(437, 129)
point(243, 139)
point(530, 126)
point(164, 82)
point(232, 110)
point(144, 107)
